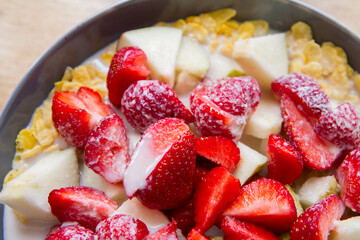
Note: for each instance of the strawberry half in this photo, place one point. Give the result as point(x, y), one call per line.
point(317, 153)
point(161, 170)
point(349, 180)
point(265, 202)
point(127, 66)
point(218, 149)
point(166, 233)
point(70, 232)
point(195, 235)
point(222, 107)
point(107, 149)
point(236, 229)
point(303, 90)
point(218, 189)
point(147, 101)
point(121, 226)
point(341, 126)
point(76, 114)
point(84, 205)
point(285, 163)
point(184, 217)
point(317, 221)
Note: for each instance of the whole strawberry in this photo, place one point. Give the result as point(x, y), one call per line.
point(127, 66)
point(70, 232)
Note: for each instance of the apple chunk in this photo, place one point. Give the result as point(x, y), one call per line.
point(161, 46)
point(348, 229)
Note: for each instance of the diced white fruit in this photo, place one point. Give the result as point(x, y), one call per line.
point(192, 57)
point(185, 83)
point(255, 143)
point(91, 179)
point(153, 218)
point(266, 119)
point(221, 66)
point(161, 45)
point(250, 163)
point(299, 209)
point(265, 58)
point(28, 192)
point(316, 188)
point(348, 229)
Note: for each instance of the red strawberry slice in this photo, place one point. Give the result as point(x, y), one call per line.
point(184, 217)
point(285, 162)
point(317, 221)
point(218, 149)
point(317, 153)
point(121, 226)
point(218, 189)
point(147, 101)
point(127, 66)
point(76, 114)
point(166, 233)
point(341, 126)
point(84, 205)
point(70, 232)
point(236, 229)
point(162, 166)
point(107, 149)
point(195, 235)
point(349, 180)
point(303, 90)
point(199, 175)
point(222, 107)
point(265, 202)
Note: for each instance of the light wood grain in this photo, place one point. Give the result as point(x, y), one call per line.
point(28, 28)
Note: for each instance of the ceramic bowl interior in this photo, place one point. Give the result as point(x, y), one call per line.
point(105, 27)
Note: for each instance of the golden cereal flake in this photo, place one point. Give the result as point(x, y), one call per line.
point(301, 30)
point(32, 152)
point(106, 57)
point(25, 140)
point(12, 174)
point(81, 75)
point(222, 15)
point(196, 31)
point(312, 52)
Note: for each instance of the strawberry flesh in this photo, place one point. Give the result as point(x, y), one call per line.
point(84, 205)
point(317, 153)
point(76, 114)
point(107, 149)
point(265, 202)
point(127, 66)
point(218, 189)
point(285, 163)
point(70, 232)
point(166, 233)
point(147, 101)
point(218, 149)
point(196, 235)
point(317, 221)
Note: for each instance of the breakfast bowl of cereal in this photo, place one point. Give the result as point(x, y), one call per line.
point(187, 119)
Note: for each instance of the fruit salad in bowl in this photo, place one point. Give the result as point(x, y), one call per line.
point(202, 128)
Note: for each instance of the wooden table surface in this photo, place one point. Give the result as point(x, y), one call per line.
point(28, 28)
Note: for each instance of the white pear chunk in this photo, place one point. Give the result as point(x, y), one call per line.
point(266, 119)
point(316, 188)
point(348, 229)
point(221, 66)
point(250, 163)
point(91, 179)
point(185, 83)
point(153, 218)
point(28, 192)
point(265, 58)
point(161, 46)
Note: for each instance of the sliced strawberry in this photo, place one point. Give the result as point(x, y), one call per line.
point(236, 229)
point(121, 226)
point(166, 233)
point(162, 166)
point(218, 149)
point(199, 175)
point(84, 205)
point(341, 126)
point(303, 90)
point(107, 149)
point(196, 235)
point(266, 202)
point(127, 66)
point(184, 217)
point(145, 102)
point(285, 162)
point(70, 232)
point(218, 189)
point(76, 114)
point(317, 153)
point(222, 107)
point(349, 180)
point(317, 221)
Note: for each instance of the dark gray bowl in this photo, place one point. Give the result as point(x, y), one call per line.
point(107, 26)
